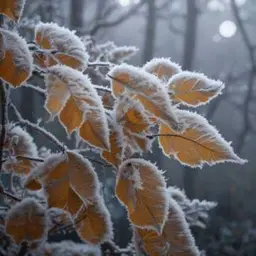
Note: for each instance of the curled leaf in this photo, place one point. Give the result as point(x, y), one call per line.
point(193, 89)
point(93, 223)
point(147, 88)
point(141, 187)
point(71, 96)
point(26, 221)
point(12, 8)
point(199, 143)
point(176, 238)
point(68, 48)
point(16, 60)
point(163, 68)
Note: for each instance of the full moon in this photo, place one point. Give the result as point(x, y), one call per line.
point(227, 29)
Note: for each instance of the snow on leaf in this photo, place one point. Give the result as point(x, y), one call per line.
point(93, 223)
point(198, 144)
point(26, 221)
point(20, 145)
point(69, 49)
point(12, 8)
point(114, 155)
point(71, 96)
point(130, 115)
point(147, 88)
point(163, 68)
point(193, 89)
point(70, 248)
point(141, 187)
point(176, 238)
point(121, 53)
point(66, 181)
point(16, 61)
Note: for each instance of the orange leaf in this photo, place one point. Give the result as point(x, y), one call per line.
point(147, 88)
point(70, 50)
point(193, 89)
point(26, 221)
point(114, 156)
point(163, 68)
point(74, 201)
point(16, 62)
point(21, 145)
point(141, 187)
point(93, 223)
point(71, 95)
point(12, 8)
point(199, 143)
point(176, 238)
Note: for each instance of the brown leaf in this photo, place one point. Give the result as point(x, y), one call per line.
point(12, 8)
point(26, 221)
point(199, 143)
point(141, 187)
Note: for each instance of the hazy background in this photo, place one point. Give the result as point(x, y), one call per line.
point(215, 37)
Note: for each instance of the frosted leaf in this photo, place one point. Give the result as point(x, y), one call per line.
point(130, 115)
point(70, 248)
point(121, 53)
point(27, 221)
point(176, 238)
point(20, 144)
point(141, 187)
point(71, 96)
point(163, 68)
point(52, 36)
point(198, 144)
point(12, 8)
point(196, 211)
point(193, 89)
point(16, 64)
point(94, 224)
point(147, 88)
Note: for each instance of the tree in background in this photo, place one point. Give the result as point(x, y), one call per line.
point(55, 190)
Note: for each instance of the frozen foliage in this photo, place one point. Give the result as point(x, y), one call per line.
point(52, 36)
point(193, 89)
point(69, 248)
point(150, 91)
point(204, 144)
point(12, 9)
point(163, 68)
point(196, 211)
point(16, 58)
point(121, 53)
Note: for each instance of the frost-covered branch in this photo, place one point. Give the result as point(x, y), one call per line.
point(45, 133)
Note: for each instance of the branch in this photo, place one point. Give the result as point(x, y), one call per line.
point(37, 89)
point(27, 158)
point(106, 24)
point(3, 120)
point(45, 133)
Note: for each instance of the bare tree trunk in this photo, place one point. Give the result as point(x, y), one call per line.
point(77, 10)
point(189, 176)
point(150, 35)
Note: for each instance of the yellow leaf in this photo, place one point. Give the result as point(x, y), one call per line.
point(82, 177)
point(12, 8)
point(94, 223)
point(22, 146)
point(16, 60)
point(74, 202)
point(114, 155)
point(163, 68)
point(69, 49)
point(71, 95)
point(146, 88)
point(175, 240)
point(199, 143)
point(193, 89)
point(26, 221)
point(140, 186)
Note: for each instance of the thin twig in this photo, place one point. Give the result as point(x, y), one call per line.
point(10, 196)
point(46, 134)
point(25, 157)
point(3, 120)
point(102, 88)
point(37, 89)
point(99, 64)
